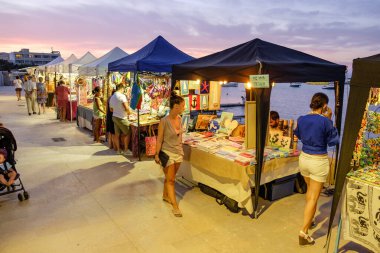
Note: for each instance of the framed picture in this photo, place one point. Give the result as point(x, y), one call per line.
point(214, 96)
point(204, 102)
point(203, 121)
point(187, 105)
point(194, 85)
point(224, 117)
point(184, 87)
point(194, 102)
point(205, 87)
point(185, 122)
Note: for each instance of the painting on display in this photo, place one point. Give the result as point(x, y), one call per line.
point(214, 96)
point(205, 87)
point(203, 121)
point(194, 102)
point(204, 102)
point(187, 105)
point(184, 87)
point(185, 122)
point(194, 85)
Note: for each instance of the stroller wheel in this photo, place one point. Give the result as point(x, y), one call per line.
point(20, 197)
point(26, 195)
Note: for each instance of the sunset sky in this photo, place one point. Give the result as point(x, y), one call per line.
point(338, 31)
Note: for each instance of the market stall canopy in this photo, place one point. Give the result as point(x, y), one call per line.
point(63, 67)
point(48, 65)
point(283, 64)
point(157, 56)
point(254, 57)
point(99, 67)
point(86, 58)
point(365, 75)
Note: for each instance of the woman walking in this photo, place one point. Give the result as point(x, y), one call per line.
point(169, 140)
point(99, 113)
point(316, 131)
point(18, 87)
point(41, 95)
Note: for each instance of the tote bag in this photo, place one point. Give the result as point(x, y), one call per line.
point(150, 142)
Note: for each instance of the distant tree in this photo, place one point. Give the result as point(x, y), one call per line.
point(8, 66)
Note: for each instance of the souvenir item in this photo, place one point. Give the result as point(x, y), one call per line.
point(229, 126)
point(204, 102)
point(213, 126)
point(203, 121)
point(185, 123)
point(194, 85)
point(150, 142)
point(205, 87)
point(224, 117)
point(184, 87)
point(187, 105)
point(194, 102)
point(214, 97)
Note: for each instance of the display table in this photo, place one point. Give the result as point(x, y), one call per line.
point(84, 116)
point(361, 211)
point(144, 127)
point(230, 178)
point(74, 108)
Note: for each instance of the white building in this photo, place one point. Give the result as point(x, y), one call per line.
point(26, 57)
point(4, 56)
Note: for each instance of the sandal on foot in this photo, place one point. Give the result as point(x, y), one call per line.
point(177, 212)
point(166, 200)
point(305, 239)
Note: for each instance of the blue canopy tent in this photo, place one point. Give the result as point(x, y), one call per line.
point(157, 56)
point(254, 57)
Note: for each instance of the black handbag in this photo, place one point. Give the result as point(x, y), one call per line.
point(164, 158)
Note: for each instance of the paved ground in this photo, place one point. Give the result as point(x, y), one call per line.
point(84, 198)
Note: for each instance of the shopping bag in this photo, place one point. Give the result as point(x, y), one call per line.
point(150, 142)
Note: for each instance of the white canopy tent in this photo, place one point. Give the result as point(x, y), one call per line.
point(50, 67)
point(99, 67)
point(86, 58)
point(63, 67)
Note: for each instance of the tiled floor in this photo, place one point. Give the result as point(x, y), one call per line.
point(84, 198)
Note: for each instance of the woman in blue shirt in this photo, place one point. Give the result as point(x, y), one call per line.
point(316, 131)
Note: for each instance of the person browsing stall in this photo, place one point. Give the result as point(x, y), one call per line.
point(62, 92)
point(169, 141)
point(99, 113)
point(121, 111)
point(274, 120)
point(316, 132)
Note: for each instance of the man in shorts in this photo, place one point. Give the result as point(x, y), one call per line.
point(121, 110)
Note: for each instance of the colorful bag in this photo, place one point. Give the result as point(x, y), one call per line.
point(150, 142)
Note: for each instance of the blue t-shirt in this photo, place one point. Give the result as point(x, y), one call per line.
point(2, 167)
point(316, 132)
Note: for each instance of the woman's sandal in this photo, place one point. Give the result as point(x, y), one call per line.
point(165, 199)
point(305, 239)
point(177, 212)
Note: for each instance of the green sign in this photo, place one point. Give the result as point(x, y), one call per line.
point(259, 81)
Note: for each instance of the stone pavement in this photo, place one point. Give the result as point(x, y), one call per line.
point(85, 198)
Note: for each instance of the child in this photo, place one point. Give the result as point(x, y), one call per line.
point(7, 173)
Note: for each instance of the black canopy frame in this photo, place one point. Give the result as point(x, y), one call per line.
point(365, 75)
point(261, 57)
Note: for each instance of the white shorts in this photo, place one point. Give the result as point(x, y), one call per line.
point(173, 158)
point(316, 167)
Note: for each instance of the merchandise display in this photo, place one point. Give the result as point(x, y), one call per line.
point(367, 148)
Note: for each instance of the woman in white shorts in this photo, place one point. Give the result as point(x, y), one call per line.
point(169, 140)
point(316, 132)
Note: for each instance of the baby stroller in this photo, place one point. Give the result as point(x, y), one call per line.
point(8, 142)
